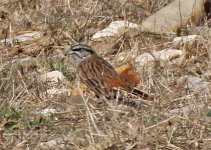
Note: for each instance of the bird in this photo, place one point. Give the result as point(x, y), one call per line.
point(99, 75)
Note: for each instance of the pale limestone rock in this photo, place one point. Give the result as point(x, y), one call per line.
point(164, 57)
point(53, 76)
point(116, 28)
point(25, 37)
point(172, 16)
point(190, 39)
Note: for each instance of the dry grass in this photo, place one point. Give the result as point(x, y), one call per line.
point(176, 119)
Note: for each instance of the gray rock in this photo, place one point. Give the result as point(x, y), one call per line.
point(196, 84)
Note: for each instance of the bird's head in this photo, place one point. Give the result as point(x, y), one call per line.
point(80, 52)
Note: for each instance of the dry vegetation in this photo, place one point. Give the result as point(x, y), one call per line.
point(176, 119)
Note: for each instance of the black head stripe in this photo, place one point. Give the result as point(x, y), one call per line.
point(81, 47)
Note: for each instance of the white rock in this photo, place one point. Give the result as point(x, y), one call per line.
point(163, 57)
point(53, 76)
point(183, 39)
point(116, 28)
point(29, 36)
point(25, 37)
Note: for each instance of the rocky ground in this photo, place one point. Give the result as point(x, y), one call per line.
point(42, 106)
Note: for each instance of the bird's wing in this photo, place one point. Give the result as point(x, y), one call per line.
point(98, 75)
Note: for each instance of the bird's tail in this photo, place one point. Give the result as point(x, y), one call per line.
point(141, 94)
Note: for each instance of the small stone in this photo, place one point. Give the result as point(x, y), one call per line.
point(53, 76)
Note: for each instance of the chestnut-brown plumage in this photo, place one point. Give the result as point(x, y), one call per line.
point(98, 74)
